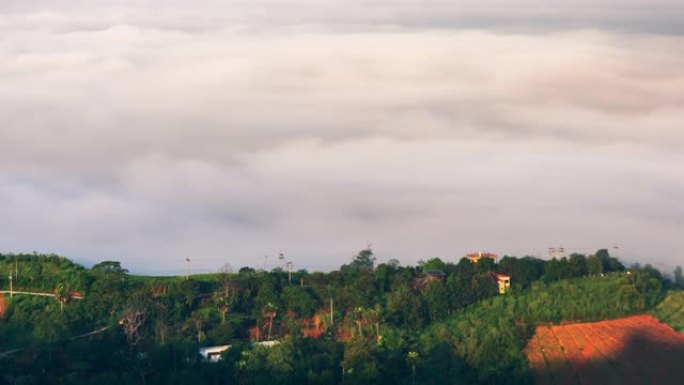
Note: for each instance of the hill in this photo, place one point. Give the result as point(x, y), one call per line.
point(491, 336)
point(434, 323)
point(671, 310)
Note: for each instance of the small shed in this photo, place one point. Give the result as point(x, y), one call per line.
point(434, 274)
point(421, 283)
point(213, 353)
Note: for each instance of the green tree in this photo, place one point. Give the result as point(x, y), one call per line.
point(364, 261)
point(300, 301)
point(434, 264)
point(360, 364)
point(578, 265)
point(678, 277)
point(437, 300)
point(594, 265)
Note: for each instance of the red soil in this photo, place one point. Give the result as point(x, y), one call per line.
point(632, 350)
point(3, 306)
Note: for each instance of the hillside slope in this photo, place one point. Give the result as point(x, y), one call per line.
point(491, 336)
point(671, 310)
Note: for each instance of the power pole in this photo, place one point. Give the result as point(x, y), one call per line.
point(556, 252)
point(289, 273)
point(11, 289)
point(332, 318)
point(187, 268)
point(281, 257)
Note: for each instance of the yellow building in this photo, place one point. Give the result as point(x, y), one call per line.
point(504, 282)
point(475, 257)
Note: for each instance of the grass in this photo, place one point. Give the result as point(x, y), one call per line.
point(671, 310)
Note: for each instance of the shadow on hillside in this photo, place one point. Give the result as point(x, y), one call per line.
point(643, 359)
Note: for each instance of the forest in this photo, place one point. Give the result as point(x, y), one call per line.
point(365, 323)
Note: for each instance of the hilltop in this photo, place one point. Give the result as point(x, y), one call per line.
point(364, 323)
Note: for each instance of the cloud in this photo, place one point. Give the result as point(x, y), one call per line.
point(228, 133)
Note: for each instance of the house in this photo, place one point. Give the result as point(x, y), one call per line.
point(475, 257)
point(434, 274)
point(213, 353)
point(269, 344)
point(421, 283)
point(504, 282)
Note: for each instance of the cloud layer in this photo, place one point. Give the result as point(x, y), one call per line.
point(225, 134)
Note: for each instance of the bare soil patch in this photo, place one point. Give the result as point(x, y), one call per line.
point(632, 350)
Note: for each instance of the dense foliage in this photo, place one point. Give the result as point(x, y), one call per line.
point(363, 324)
point(671, 310)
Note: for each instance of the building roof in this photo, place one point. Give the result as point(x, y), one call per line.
point(434, 272)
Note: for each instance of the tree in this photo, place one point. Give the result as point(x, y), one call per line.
point(226, 297)
point(360, 365)
point(553, 270)
point(270, 365)
point(678, 277)
point(434, 264)
point(62, 295)
point(578, 265)
point(374, 316)
point(358, 318)
point(269, 312)
point(132, 322)
point(524, 270)
point(110, 268)
point(363, 262)
point(404, 308)
point(437, 300)
point(594, 265)
point(413, 358)
point(299, 301)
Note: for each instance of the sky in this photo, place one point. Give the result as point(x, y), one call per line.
point(231, 131)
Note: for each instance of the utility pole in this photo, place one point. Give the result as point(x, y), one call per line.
point(332, 319)
point(289, 273)
point(187, 268)
point(11, 289)
point(281, 257)
point(556, 252)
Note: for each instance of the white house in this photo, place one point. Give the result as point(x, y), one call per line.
point(213, 353)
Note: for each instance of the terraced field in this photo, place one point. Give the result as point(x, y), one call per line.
point(633, 350)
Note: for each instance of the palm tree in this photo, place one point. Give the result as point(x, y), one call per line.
point(373, 316)
point(412, 357)
point(270, 311)
point(358, 317)
point(62, 295)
